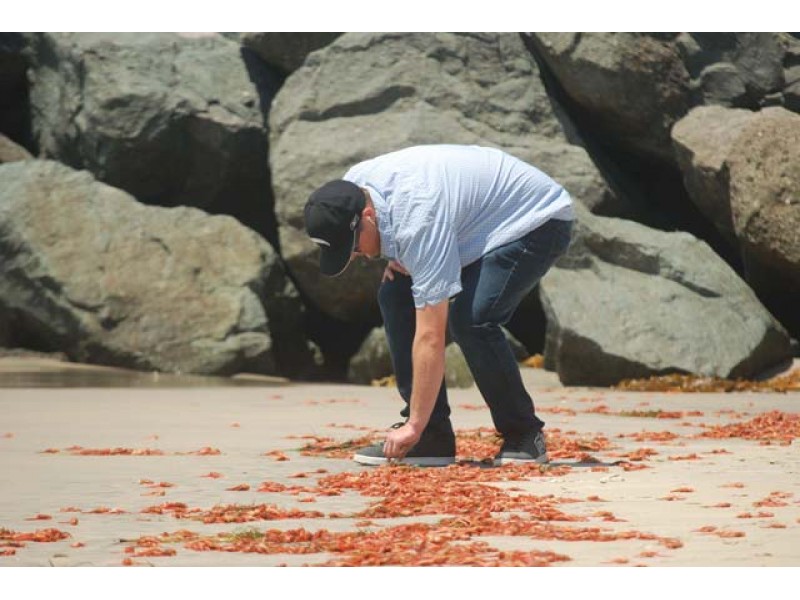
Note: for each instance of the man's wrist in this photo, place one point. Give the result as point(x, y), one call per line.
point(416, 425)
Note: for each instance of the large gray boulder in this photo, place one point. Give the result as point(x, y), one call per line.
point(702, 141)
point(171, 119)
point(367, 94)
point(627, 301)
point(764, 171)
point(633, 86)
point(286, 50)
point(90, 271)
point(743, 169)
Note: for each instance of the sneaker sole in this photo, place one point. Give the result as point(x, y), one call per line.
point(427, 461)
point(517, 461)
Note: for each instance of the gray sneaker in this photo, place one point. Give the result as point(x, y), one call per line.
point(434, 449)
point(522, 448)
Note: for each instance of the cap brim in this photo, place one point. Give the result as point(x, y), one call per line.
point(334, 261)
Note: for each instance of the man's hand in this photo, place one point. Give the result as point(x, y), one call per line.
point(391, 268)
point(400, 441)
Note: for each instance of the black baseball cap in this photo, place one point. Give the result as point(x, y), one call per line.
point(332, 214)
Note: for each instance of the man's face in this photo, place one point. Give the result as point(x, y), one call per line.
point(368, 242)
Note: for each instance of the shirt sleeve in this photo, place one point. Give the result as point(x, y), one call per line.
point(430, 254)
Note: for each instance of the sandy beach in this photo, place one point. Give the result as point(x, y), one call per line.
point(636, 478)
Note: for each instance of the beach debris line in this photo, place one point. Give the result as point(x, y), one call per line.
point(789, 382)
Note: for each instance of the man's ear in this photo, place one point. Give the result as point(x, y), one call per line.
point(368, 211)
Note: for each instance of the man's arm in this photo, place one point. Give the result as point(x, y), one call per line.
point(428, 364)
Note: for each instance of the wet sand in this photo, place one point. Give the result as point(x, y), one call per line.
point(38, 372)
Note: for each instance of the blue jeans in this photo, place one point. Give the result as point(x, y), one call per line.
point(492, 288)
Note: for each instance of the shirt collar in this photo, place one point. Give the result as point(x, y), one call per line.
point(388, 247)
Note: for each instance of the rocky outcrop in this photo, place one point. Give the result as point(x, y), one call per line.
point(743, 169)
point(632, 86)
point(172, 120)
point(286, 50)
point(367, 94)
point(743, 70)
point(89, 271)
point(628, 302)
point(688, 132)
